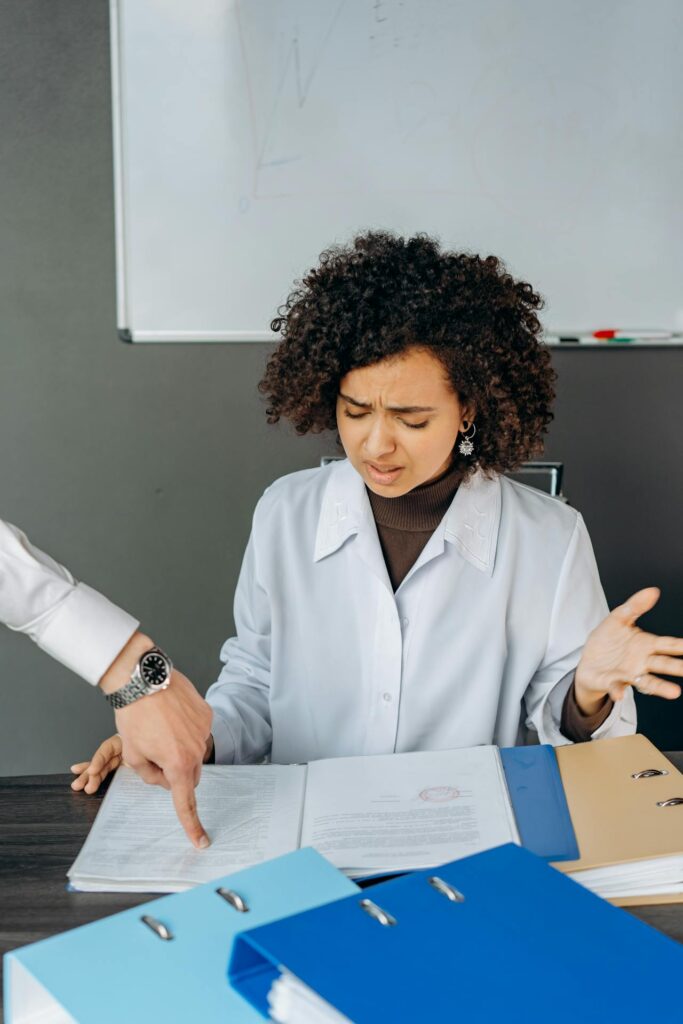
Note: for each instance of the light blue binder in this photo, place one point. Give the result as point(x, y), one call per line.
point(120, 971)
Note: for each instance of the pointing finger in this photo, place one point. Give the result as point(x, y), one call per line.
point(185, 803)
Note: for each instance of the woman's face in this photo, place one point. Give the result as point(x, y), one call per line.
point(398, 421)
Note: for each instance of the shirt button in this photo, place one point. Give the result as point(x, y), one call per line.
point(386, 697)
point(404, 622)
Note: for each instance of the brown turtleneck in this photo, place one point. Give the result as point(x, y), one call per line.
point(405, 524)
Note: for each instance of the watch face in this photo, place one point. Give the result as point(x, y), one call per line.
point(154, 669)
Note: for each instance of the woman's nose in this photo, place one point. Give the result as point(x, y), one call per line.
point(379, 440)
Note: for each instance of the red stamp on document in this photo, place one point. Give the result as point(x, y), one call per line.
point(439, 794)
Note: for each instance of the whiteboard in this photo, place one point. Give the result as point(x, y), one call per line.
point(249, 135)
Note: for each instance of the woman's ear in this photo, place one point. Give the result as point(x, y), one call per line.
point(468, 415)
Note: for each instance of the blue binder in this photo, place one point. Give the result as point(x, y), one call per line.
point(501, 936)
point(539, 802)
point(120, 969)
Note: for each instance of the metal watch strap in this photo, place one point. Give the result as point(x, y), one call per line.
point(137, 686)
point(127, 694)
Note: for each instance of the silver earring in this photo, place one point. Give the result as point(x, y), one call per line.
point(466, 447)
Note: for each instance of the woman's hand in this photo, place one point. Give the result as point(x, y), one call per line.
point(619, 654)
point(91, 773)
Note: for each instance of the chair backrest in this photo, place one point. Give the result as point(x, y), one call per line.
point(545, 476)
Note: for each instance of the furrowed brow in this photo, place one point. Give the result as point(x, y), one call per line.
point(390, 408)
point(354, 401)
point(410, 408)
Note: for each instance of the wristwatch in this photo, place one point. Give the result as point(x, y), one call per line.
point(151, 674)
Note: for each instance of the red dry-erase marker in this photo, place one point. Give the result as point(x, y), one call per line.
point(616, 334)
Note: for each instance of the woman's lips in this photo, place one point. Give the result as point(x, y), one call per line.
point(382, 475)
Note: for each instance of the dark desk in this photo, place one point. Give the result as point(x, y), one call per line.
point(42, 827)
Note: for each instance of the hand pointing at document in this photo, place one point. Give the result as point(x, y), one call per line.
point(163, 734)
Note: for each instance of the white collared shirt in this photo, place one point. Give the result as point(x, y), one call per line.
point(480, 640)
point(70, 621)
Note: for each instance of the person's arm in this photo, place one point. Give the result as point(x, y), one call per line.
point(164, 734)
point(241, 728)
point(577, 726)
point(70, 621)
point(579, 606)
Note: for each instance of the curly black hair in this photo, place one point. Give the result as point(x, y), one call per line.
point(383, 294)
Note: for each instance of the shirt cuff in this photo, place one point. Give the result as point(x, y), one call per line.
point(622, 719)
point(577, 726)
point(87, 632)
point(223, 740)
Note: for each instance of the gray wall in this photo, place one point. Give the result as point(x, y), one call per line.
point(138, 467)
point(619, 430)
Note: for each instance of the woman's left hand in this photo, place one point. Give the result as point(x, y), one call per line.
point(90, 774)
point(618, 654)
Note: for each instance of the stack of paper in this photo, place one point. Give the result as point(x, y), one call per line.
point(398, 812)
point(366, 815)
point(622, 796)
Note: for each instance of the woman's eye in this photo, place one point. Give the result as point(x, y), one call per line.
point(354, 416)
point(415, 426)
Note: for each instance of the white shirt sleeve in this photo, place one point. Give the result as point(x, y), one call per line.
point(68, 620)
point(241, 727)
point(579, 606)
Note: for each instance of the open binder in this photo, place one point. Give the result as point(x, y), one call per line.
point(373, 815)
point(164, 960)
point(497, 936)
point(626, 803)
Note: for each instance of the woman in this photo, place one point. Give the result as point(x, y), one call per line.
point(412, 597)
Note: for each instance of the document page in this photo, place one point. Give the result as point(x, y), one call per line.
point(251, 813)
point(401, 811)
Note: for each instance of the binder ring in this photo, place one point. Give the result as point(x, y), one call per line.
point(454, 895)
point(234, 899)
point(379, 915)
point(157, 927)
point(649, 773)
point(673, 801)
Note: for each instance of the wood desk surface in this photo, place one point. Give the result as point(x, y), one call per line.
point(43, 825)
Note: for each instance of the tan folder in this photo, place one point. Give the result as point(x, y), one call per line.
point(614, 806)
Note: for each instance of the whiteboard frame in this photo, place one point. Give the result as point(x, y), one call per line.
point(124, 331)
point(122, 320)
point(117, 140)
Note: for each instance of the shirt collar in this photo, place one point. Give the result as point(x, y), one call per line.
point(471, 523)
